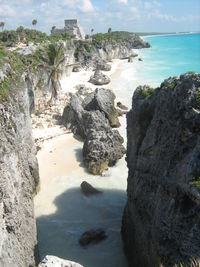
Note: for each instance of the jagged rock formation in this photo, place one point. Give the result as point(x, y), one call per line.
point(102, 149)
point(92, 119)
point(99, 78)
point(103, 66)
point(18, 179)
point(53, 261)
point(103, 100)
point(162, 216)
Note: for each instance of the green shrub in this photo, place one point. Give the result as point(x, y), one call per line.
point(171, 86)
point(195, 181)
point(197, 98)
point(147, 91)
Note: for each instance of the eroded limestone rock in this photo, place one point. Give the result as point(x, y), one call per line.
point(162, 216)
point(99, 78)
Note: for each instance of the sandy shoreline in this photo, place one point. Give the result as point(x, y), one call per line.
point(61, 172)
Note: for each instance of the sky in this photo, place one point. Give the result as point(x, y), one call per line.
point(129, 15)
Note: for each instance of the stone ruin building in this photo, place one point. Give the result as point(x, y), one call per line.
point(72, 28)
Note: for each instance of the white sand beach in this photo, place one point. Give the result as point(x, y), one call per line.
point(63, 213)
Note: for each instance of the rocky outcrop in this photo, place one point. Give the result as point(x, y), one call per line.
point(162, 216)
point(72, 116)
point(103, 100)
point(103, 66)
point(18, 179)
point(99, 78)
point(81, 115)
point(102, 149)
point(92, 237)
point(92, 119)
point(53, 261)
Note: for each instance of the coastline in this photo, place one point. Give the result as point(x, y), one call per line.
point(167, 34)
point(62, 153)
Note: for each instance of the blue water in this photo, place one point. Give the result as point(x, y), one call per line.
point(170, 55)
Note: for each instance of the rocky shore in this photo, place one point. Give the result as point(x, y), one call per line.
point(64, 91)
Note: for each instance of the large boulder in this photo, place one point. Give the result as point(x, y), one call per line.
point(72, 116)
point(102, 149)
point(103, 100)
point(94, 120)
point(53, 261)
point(103, 66)
point(92, 236)
point(99, 78)
point(162, 216)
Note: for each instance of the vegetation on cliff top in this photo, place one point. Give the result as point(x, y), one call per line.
point(12, 37)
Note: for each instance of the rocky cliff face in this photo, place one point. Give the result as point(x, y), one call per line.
point(161, 222)
point(18, 179)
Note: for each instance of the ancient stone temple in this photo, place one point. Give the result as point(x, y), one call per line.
point(72, 27)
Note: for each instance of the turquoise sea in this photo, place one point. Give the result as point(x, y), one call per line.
point(170, 55)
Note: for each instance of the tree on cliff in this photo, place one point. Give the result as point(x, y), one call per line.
point(109, 33)
point(34, 22)
point(2, 24)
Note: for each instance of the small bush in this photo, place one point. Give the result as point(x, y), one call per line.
point(147, 91)
point(171, 86)
point(195, 181)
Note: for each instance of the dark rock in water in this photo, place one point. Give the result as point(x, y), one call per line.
point(102, 149)
point(130, 59)
point(103, 66)
point(139, 59)
point(120, 105)
point(99, 78)
point(88, 189)
point(103, 100)
point(92, 236)
point(76, 69)
point(162, 216)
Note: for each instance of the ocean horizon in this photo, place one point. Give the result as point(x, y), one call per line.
point(170, 55)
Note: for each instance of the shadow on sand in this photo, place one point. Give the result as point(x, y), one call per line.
point(58, 233)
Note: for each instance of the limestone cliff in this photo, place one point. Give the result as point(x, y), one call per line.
point(161, 221)
point(18, 176)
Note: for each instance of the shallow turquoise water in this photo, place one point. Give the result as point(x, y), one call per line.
point(170, 56)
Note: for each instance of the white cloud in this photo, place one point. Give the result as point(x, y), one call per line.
point(6, 10)
point(147, 5)
point(135, 12)
point(123, 2)
point(86, 6)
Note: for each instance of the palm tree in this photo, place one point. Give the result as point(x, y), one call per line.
point(2, 24)
point(56, 56)
point(34, 22)
point(53, 29)
point(109, 33)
